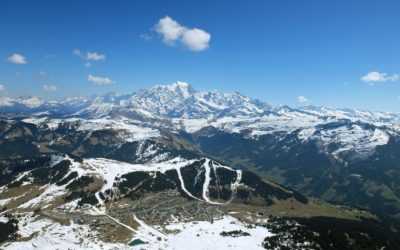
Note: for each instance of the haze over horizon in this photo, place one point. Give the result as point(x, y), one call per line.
point(337, 54)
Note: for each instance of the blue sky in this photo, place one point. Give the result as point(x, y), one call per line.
point(335, 53)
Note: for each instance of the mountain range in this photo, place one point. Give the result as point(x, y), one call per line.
point(169, 165)
point(342, 134)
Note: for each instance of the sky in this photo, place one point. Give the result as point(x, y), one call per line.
point(335, 53)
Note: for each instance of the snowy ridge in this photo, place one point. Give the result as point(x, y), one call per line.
point(180, 100)
point(178, 106)
point(110, 171)
point(351, 139)
point(129, 130)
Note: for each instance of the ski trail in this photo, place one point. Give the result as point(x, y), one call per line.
point(214, 168)
point(206, 183)
point(101, 202)
point(178, 170)
point(206, 180)
point(235, 185)
point(237, 181)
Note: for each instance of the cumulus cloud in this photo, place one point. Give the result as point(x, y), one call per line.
point(49, 87)
point(193, 38)
point(2, 88)
point(99, 80)
point(374, 77)
point(170, 29)
point(17, 59)
point(302, 99)
point(196, 39)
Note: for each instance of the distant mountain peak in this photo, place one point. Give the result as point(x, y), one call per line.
point(179, 100)
point(176, 90)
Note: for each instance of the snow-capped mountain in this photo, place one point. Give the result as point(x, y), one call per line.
point(180, 100)
point(179, 107)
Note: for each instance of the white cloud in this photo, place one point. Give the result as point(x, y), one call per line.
point(49, 88)
point(378, 77)
point(95, 56)
point(17, 59)
point(302, 99)
point(2, 88)
point(193, 38)
point(196, 39)
point(170, 29)
point(99, 80)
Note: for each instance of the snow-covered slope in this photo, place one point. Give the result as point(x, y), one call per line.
point(61, 201)
point(199, 235)
point(180, 107)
